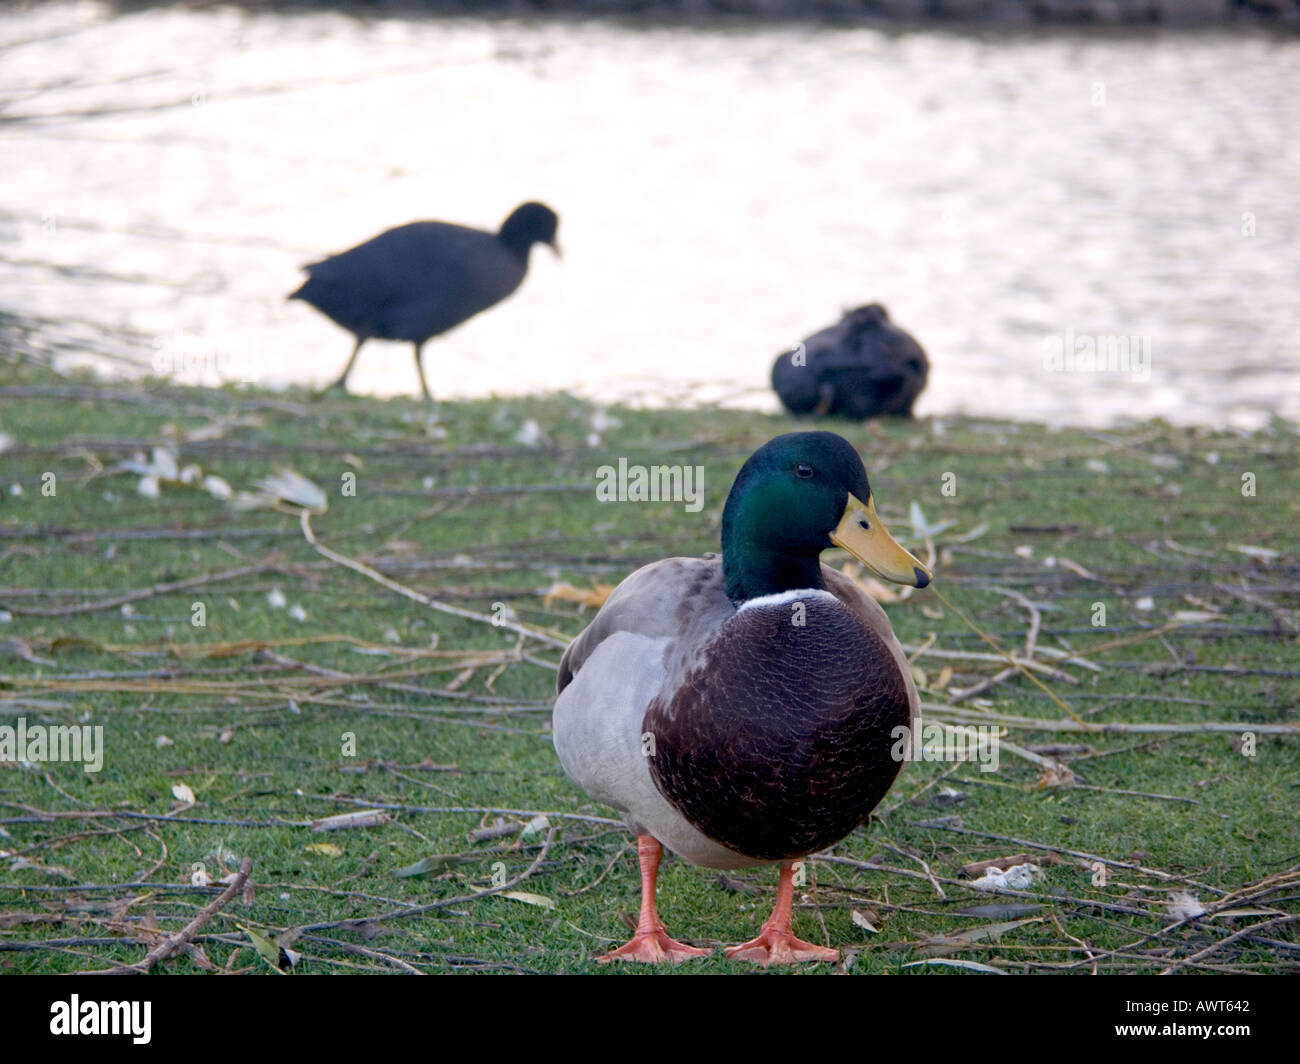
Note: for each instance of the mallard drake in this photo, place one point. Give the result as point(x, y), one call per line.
point(861, 367)
point(742, 710)
point(418, 281)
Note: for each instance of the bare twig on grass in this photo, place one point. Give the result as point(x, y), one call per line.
point(1158, 873)
point(366, 951)
point(1035, 618)
point(1276, 921)
point(424, 600)
point(38, 815)
point(979, 688)
point(492, 810)
point(934, 882)
point(140, 593)
point(1008, 657)
point(417, 910)
point(187, 933)
point(1110, 727)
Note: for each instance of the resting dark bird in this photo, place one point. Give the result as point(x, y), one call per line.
point(420, 280)
point(863, 366)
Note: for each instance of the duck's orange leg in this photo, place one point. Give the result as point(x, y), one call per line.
point(776, 943)
point(650, 944)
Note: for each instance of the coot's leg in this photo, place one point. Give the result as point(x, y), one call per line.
point(419, 368)
point(342, 382)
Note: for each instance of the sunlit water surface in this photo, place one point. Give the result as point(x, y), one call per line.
point(722, 192)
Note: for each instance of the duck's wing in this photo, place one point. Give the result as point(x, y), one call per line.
point(673, 599)
point(857, 599)
point(648, 634)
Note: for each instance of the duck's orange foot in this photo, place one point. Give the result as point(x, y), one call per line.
point(774, 946)
point(653, 947)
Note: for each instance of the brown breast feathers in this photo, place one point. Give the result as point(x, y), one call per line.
point(779, 741)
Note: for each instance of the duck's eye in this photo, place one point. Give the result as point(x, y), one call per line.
point(863, 524)
point(803, 470)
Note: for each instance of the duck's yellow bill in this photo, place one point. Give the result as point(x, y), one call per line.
point(863, 534)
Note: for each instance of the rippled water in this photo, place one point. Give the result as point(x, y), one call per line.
point(722, 192)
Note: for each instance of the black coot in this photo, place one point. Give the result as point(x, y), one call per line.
point(863, 366)
point(420, 280)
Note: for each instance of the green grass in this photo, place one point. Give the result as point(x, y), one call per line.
point(256, 704)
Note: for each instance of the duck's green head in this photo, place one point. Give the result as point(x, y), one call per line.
point(796, 496)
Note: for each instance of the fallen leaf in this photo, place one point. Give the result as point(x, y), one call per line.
point(529, 899)
point(290, 486)
point(565, 592)
point(361, 818)
point(426, 865)
point(1262, 554)
point(1056, 775)
point(1079, 570)
point(266, 949)
point(921, 528)
point(949, 962)
point(217, 487)
point(537, 824)
point(964, 939)
point(871, 585)
point(1006, 912)
point(1196, 616)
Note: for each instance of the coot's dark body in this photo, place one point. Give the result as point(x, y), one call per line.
point(420, 280)
point(861, 367)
